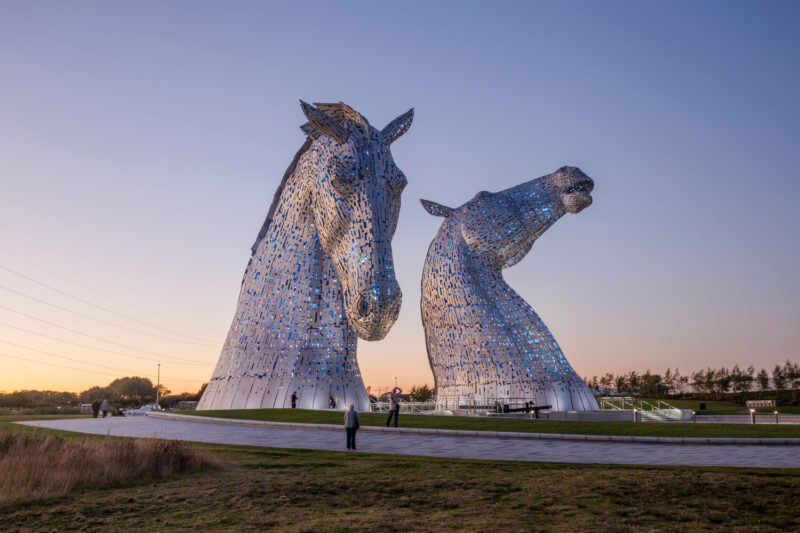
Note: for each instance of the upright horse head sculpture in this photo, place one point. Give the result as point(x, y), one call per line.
point(321, 271)
point(484, 342)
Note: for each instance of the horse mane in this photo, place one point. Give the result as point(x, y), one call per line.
point(341, 113)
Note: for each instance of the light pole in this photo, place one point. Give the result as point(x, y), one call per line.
point(395, 381)
point(158, 385)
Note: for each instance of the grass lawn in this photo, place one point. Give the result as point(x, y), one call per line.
point(519, 424)
point(712, 407)
point(297, 490)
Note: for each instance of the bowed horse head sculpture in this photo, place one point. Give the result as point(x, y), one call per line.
point(321, 273)
point(485, 343)
point(354, 188)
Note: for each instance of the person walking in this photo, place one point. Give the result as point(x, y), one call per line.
point(95, 409)
point(394, 405)
point(331, 402)
point(294, 400)
point(351, 425)
point(105, 407)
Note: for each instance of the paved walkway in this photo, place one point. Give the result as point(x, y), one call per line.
point(440, 445)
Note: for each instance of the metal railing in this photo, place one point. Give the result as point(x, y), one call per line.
point(449, 405)
point(649, 409)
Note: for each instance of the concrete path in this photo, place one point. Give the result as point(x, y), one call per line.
point(440, 445)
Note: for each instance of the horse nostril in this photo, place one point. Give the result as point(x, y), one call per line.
point(364, 305)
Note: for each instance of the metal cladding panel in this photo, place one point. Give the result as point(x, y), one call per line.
point(485, 343)
point(321, 272)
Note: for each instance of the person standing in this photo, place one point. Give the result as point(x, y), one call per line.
point(331, 402)
point(294, 400)
point(105, 407)
point(95, 409)
point(351, 425)
point(394, 405)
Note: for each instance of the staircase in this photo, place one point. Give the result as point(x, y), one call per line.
point(650, 410)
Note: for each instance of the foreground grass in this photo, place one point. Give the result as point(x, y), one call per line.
point(298, 490)
point(42, 466)
point(518, 424)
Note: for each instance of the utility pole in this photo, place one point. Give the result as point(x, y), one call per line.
point(395, 381)
point(158, 386)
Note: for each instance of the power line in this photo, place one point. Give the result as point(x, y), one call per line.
point(87, 363)
point(104, 350)
point(67, 358)
point(94, 336)
point(103, 321)
point(106, 309)
point(59, 366)
point(105, 294)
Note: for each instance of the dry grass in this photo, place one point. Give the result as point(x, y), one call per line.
point(36, 467)
point(300, 491)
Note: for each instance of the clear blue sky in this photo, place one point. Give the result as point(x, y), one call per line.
point(141, 143)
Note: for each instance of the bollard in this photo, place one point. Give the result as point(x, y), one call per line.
point(752, 416)
point(634, 414)
point(694, 416)
point(776, 417)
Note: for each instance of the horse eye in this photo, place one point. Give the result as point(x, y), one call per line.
point(341, 186)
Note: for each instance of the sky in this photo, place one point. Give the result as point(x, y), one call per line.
point(141, 144)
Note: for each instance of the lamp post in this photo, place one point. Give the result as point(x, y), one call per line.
point(776, 417)
point(395, 381)
point(158, 382)
point(752, 416)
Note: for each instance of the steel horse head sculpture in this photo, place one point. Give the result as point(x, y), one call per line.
point(485, 343)
point(321, 272)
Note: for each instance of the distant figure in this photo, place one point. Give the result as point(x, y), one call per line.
point(294, 400)
point(95, 409)
point(105, 408)
point(331, 402)
point(394, 406)
point(351, 425)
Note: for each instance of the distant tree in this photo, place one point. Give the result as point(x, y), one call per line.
point(94, 394)
point(668, 381)
point(421, 393)
point(163, 390)
point(620, 384)
point(792, 373)
point(722, 380)
point(201, 391)
point(741, 380)
point(763, 380)
point(607, 381)
point(650, 384)
point(700, 381)
point(132, 390)
point(778, 378)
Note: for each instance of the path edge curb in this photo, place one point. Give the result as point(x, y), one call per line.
point(485, 434)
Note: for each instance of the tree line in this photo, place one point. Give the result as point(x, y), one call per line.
point(122, 392)
point(712, 382)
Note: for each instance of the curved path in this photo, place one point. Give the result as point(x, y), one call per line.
point(494, 448)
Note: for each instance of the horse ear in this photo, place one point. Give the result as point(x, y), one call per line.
point(398, 126)
point(323, 124)
point(310, 130)
point(437, 210)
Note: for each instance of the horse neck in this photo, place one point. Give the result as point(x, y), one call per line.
point(455, 275)
point(291, 255)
